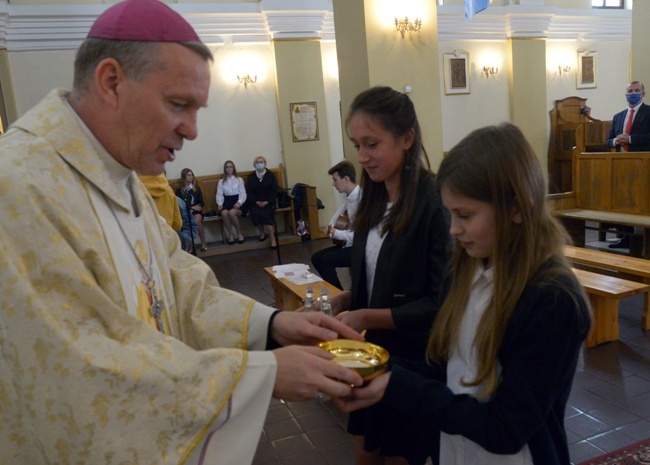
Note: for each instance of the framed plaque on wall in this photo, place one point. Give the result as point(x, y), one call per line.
point(304, 121)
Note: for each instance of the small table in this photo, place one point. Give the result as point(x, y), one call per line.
point(289, 296)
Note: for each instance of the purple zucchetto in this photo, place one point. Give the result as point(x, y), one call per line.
point(142, 20)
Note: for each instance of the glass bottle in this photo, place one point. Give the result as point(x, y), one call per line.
point(325, 302)
point(309, 300)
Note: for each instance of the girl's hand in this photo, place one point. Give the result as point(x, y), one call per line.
point(341, 302)
point(237, 205)
point(364, 397)
point(219, 207)
point(355, 319)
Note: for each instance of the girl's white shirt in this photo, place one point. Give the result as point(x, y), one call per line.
point(231, 185)
point(373, 246)
point(462, 365)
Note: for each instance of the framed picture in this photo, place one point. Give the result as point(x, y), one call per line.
point(587, 76)
point(304, 121)
point(456, 71)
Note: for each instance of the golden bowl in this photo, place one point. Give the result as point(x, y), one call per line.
point(369, 360)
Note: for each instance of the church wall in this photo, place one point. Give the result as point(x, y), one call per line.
point(613, 75)
point(242, 123)
point(36, 73)
point(239, 123)
point(488, 101)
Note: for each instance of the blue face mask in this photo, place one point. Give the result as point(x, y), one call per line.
point(259, 166)
point(634, 98)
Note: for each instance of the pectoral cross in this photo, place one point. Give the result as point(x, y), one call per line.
point(156, 306)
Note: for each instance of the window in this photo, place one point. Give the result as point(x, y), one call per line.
point(607, 3)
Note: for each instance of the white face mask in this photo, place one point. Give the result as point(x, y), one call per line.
point(259, 166)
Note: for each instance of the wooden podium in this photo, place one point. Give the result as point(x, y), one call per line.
point(289, 296)
point(309, 211)
point(572, 126)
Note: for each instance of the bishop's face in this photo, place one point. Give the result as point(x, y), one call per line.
point(160, 111)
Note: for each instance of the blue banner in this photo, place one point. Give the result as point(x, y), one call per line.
point(474, 6)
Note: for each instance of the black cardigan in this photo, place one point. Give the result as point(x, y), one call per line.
point(265, 190)
point(538, 359)
point(409, 272)
point(196, 196)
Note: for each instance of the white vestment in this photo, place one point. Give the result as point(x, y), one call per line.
point(83, 378)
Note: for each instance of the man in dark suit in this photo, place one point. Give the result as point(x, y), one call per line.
point(630, 132)
point(637, 138)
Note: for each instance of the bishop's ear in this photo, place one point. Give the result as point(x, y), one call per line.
point(108, 76)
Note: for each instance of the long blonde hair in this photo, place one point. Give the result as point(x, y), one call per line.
point(497, 165)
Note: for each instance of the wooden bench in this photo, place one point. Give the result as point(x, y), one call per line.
point(209, 183)
point(575, 221)
point(604, 293)
point(630, 268)
point(609, 188)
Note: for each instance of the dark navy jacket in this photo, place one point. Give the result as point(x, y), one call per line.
point(639, 134)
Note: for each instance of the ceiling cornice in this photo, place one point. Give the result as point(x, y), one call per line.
point(62, 27)
point(519, 21)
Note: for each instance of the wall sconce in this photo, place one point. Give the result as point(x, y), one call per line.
point(563, 69)
point(404, 25)
point(490, 70)
point(247, 80)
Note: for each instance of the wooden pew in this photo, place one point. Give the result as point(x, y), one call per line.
point(604, 293)
point(208, 185)
point(608, 188)
point(629, 268)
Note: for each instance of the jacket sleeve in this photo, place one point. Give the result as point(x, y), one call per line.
point(612, 133)
point(274, 189)
point(640, 136)
point(429, 270)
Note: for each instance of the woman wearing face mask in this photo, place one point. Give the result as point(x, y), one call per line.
point(262, 189)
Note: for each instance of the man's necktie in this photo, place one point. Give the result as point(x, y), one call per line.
point(628, 128)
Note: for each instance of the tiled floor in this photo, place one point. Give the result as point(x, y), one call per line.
point(609, 406)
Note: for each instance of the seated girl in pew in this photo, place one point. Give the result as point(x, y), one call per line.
point(231, 196)
point(504, 346)
point(191, 193)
